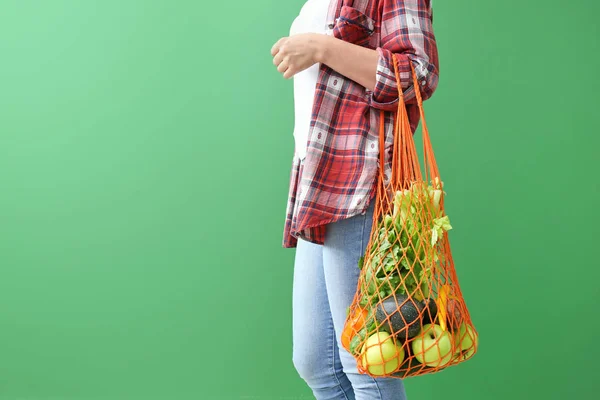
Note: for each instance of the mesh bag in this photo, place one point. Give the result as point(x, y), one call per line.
point(408, 316)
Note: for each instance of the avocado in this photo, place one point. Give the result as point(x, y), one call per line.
point(410, 366)
point(429, 310)
point(400, 316)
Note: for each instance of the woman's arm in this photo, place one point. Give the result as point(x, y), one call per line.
point(355, 62)
point(406, 33)
point(295, 53)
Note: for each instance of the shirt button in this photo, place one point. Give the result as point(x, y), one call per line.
point(330, 26)
point(319, 135)
point(423, 82)
point(335, 82)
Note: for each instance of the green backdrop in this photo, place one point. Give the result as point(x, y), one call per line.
point(145, 148)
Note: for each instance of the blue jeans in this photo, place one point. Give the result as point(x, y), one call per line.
point(325, 280)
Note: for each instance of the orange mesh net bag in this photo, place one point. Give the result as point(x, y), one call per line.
point(408, 316)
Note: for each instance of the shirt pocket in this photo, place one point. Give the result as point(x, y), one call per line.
point(355, 27)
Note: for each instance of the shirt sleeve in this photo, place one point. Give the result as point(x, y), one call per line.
point(407, 34)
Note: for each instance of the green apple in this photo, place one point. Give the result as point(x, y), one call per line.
point(381, 356)
point(433, 346)
point(465, 341)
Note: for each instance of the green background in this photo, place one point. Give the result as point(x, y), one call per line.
point(145, 148)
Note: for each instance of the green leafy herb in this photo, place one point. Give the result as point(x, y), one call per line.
point(404, 251)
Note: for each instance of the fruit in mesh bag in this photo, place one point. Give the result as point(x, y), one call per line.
point(454, 314)
point(429, 308)
point(404, 317)
point(450, 309)
point(400, 316)
point(381, 355)
point(355, 323)
point(433, 346)
point(465, 341)
point(410, 366)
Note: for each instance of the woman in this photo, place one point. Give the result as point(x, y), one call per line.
point(340, 53)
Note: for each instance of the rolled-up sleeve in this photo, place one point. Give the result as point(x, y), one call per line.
point(407, 34)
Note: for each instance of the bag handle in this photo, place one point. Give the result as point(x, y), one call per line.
point(405, 164)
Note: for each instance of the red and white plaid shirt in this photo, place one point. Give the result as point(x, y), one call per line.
point(338, 176)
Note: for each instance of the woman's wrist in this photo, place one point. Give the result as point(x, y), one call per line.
point(322, 47)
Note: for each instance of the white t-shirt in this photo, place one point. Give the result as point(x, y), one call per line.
point(312, 18)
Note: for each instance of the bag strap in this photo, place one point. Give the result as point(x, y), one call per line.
point(430, 163)
point(405, 163)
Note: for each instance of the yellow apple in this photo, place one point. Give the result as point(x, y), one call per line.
point(433, 346)
point(380, 355)
point(466, 341)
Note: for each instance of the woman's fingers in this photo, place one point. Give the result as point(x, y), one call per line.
point(277, 45)
point(278, 58)
point(283, 66)
point(289, 72)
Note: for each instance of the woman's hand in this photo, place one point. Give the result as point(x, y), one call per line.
point(293, 54)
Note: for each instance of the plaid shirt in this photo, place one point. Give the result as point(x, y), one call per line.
point(337, 178)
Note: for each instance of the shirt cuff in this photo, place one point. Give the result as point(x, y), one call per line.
point(385, 94)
